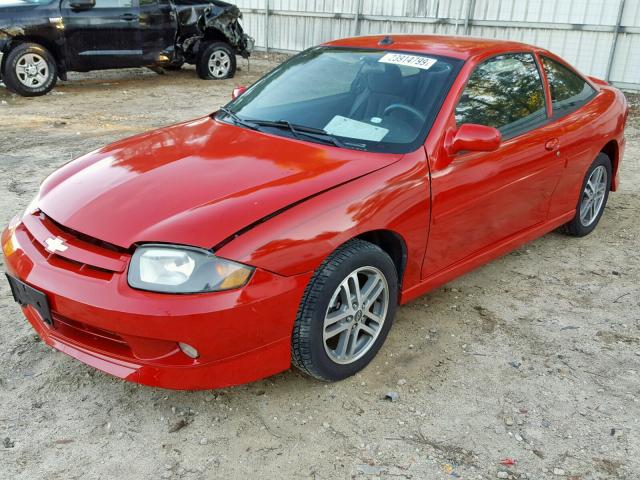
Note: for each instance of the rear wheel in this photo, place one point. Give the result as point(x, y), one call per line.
point(346, 312)
point(216, 62)
point(30, 70)
point(593, 198)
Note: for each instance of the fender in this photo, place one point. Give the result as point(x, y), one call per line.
point(394, 198)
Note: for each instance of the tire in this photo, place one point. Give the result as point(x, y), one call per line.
point(323, 301)
point(217, 61)
point(30, 70)
point(595, 187)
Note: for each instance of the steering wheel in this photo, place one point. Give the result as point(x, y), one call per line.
point(407, 108)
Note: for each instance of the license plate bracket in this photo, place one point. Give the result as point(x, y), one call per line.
point(27, 295)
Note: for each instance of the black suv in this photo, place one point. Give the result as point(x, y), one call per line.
point(41, 40)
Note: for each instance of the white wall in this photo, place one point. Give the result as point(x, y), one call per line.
point(581, 31)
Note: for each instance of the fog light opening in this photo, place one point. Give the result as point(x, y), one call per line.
point(188, 350)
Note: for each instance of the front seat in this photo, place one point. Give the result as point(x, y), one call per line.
point(430, 85)
point(383, 87)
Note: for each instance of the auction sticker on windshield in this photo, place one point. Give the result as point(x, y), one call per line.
point(416, 61)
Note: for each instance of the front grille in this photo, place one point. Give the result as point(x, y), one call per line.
point(71, 265)
point(85, 238)
point(83, 254)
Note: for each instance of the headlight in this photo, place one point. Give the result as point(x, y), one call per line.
point(177, 269)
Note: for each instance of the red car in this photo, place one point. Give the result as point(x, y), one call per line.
point(286, 227)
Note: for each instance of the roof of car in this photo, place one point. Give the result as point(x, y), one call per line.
point(447, 46)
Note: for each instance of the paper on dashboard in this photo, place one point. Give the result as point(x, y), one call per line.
point(347, 127)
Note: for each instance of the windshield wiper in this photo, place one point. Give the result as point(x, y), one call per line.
point(297, 130)
point(311, 132)
point(238, 120)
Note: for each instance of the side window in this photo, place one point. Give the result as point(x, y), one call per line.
point(504, 92)
point(568, 90)
point(114, 4)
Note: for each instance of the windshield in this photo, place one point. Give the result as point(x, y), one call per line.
point(364, 99)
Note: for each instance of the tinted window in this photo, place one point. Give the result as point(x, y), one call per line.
point(568, 90)
point(114, 4)
point(506, 93)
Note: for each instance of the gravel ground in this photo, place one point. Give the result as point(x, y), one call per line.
point(534, 357)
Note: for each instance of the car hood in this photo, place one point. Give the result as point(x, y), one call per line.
point(195, 183)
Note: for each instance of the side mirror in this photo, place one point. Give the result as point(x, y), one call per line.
point(237, 92)
point(472, 138)
point(82, 4)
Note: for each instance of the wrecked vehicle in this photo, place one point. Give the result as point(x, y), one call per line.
point(42, 40)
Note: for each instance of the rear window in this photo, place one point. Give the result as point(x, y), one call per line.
point(569, 90)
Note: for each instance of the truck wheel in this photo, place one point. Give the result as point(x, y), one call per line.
point(30, 70)
point(217, 61)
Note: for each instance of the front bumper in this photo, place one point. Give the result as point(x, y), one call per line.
point(242, 335)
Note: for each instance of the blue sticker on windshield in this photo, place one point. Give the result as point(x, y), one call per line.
point(416, 61)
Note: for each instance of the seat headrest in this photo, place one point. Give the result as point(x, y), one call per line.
point(388, 80)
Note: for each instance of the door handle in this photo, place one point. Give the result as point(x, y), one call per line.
point(552, 144)
point(128, 17)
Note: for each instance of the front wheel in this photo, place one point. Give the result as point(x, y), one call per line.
point(346, 312)
point(593, 198)
point(217, 61)
point(30, 70)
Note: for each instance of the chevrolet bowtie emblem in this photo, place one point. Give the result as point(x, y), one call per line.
point(55, 245)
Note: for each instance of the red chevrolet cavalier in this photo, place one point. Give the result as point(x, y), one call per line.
point(286, 227)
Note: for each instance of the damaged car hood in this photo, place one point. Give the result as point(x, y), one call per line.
point(196, 183)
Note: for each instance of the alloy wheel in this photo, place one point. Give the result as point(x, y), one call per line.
point(219, 64)
point(32, 70)
point(356, 313)
point(593, 196)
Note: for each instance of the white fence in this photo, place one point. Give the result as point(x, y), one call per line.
point(599, 37)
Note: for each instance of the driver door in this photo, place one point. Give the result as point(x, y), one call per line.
point(106, 35)
point(480, 199)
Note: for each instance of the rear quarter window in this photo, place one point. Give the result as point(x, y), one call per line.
point(569, 91)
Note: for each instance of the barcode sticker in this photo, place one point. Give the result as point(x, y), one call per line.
point(425, 63)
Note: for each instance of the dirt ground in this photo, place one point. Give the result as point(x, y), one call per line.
point(534, 357)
